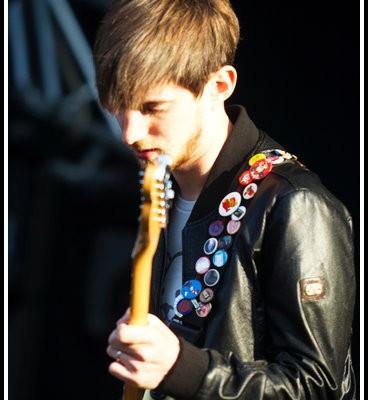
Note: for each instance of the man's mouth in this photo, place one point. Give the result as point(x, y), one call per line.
point(147, 155)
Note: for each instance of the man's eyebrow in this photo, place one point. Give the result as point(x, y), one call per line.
point(157, 102)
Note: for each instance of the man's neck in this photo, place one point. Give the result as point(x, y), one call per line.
point(192, 179)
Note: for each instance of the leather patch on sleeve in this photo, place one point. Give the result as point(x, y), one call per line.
point(312, 289)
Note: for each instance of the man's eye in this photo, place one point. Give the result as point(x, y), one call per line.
point(151, 109)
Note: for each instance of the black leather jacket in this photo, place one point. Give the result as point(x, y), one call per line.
point(270, 334)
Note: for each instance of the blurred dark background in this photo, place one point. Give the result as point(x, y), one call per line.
point(73, 187)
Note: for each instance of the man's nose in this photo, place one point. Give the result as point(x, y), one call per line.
point(134, 126)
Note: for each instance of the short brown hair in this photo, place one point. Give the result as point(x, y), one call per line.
point(142, 43)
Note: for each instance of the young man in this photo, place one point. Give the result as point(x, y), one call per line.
point(253, 280)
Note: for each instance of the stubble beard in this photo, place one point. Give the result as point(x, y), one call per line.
point(186, 155)
point(183, 158)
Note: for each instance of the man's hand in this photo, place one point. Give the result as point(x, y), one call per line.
point(143, 354)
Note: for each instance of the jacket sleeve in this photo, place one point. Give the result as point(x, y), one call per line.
point(308, 281)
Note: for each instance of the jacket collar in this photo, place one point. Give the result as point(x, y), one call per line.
point(240, 143)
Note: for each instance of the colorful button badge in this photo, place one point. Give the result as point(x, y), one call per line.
point(202, 265)
point(191, 289)
point(211, 278)
point(203, 310)
point(256, 157)
point(183, 307)
point(249, 191)
point(260, 169)
point(229, 204)
point(233, 227)
point(210, 246)
point(206, 295)
point(245, 178)
point(216, 228)
point(275, 159)
point(239, 213)
point(219, 258)
point(225, 242)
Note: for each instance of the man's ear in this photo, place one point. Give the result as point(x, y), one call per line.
point(224, 82)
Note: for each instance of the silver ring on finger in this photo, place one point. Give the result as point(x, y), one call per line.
point(117, 355)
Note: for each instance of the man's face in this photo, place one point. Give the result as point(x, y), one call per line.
point(170, 121)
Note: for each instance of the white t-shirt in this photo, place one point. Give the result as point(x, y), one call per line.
point(173, 277)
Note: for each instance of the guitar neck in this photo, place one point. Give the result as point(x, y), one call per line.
point(132, 393)
point(156, 193)
point(141, 285)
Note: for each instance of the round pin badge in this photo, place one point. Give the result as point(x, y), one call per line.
point(233, 227)
point(210, 246)
point(203, 310)
point(239, 213)
point(191, 289)
point(225, 242)
point(202, 265)
point(219, 258)
point(206, 295)
point(229, 204)
point(256, 157)
point(250, 190)
point(216, 228)
point(275, 159)
point(183, 307)
point(211, 278)
point(260, 169)
point(245, 178)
